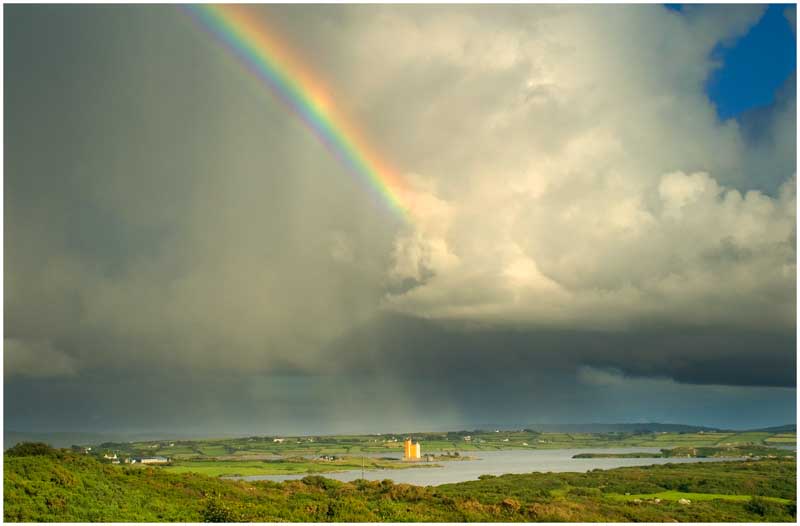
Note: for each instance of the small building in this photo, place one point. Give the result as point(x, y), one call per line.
point(278, 440)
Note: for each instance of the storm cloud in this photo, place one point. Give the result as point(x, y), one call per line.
point(582, 221)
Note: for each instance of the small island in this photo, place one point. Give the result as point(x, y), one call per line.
point(635, 454)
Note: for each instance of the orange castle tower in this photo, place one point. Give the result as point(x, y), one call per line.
point(411, 451)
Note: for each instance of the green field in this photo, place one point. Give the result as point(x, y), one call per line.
point(291, 466)
point(677, 495)
point(781, 438)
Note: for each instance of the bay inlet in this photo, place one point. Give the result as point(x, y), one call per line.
point(497, 463)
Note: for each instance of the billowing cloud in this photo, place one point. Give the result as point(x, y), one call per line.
point(685, 250)
point(616, 194)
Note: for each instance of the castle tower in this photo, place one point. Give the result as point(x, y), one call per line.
point(417, 451)
point(407, 453)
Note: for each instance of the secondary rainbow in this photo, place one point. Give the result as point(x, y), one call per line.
point(271, 60)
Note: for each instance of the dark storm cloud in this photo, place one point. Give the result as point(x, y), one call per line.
point(421, 349)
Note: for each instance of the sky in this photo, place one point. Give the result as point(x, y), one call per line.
point(602, 230)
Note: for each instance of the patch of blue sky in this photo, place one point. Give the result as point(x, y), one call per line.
point(755, 66)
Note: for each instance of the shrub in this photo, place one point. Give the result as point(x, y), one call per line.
point(763, 507)
point(216, 510)
point(584, 492)
point(32, 449)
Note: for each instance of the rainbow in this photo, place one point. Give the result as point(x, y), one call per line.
point(271, 60)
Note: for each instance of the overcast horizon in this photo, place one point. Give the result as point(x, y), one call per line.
point(398, 217)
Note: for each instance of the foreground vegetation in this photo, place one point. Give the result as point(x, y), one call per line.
point(44, 484)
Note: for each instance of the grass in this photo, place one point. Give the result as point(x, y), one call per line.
point(781, 439)
point(216, 468)
point(694, 497)
point(744, 438)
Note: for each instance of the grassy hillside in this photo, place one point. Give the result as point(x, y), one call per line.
point(42, 484)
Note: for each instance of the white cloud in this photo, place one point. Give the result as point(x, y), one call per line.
point(595, 186)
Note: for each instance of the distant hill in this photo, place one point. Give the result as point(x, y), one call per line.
point(68, 438)
point(57, 439)
point(648, 427)
point(788, 428)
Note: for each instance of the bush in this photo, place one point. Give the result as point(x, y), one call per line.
point(217, 511)
point(32, 449)
point(763, 507)
point(584, 492)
